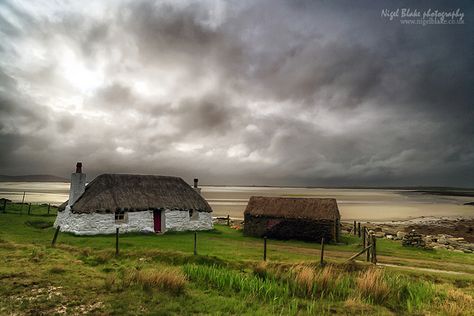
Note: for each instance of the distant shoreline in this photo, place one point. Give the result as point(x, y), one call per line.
point(447, 192)
point(435, 190)
point(33, 178)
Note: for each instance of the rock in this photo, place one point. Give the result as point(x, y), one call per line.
point(413, 239)
point(379, 234)
point(400, 235)
point(390, 231)
point(454, 239)
point(442, 240)
point(389, 236)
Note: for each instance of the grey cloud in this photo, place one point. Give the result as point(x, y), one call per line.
point(209, 114)
point(19, 112)
point(115, 96)
point(94, 37)
point(65, 124)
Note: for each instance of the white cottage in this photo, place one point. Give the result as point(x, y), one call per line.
point(134, 203)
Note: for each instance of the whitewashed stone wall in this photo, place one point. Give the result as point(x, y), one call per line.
point(180, 221)
point(96, 223)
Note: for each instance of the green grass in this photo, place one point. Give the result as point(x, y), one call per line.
point(81, 274)
point(222, 242)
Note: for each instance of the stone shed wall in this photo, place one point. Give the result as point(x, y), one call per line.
point(282, 228)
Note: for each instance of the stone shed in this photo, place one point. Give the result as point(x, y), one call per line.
point(134, 203)
point(292, 218)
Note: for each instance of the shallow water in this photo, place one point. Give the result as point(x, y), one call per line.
point(360, 204)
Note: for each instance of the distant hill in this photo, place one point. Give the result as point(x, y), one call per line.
point(33, 178)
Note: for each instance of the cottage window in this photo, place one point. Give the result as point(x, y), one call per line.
point(193, 215)
point(121, 217)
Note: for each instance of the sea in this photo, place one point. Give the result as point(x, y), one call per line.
point(354, 204)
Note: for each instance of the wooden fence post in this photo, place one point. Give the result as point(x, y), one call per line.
point(355, 228)
point(321, 262)
point(5, 206)
point(53, 243)
point(358, 229)
point(374, 250)
point(29, 209)
point(228, 220)
point(117, 241)
point(368, 243)
point(195, 244)
point(265, 248)
point(359, 253)
point(363, 237)
point(49, 207)
point(22, 202)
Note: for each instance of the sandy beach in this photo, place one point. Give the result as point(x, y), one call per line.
point(379, 205)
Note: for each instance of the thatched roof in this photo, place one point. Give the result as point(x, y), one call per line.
point(301, 208)
point(112, 192)
point(63, 205)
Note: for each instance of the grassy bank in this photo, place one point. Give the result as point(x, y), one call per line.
point(160, 275)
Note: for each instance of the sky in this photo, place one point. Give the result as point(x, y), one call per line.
point(313, 93)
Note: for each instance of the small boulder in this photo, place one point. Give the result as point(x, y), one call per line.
point(379, 234)
point(456, 239)
point(442, 240)
point(400, 235)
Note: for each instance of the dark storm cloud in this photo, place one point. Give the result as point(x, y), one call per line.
point(94, 37)
point(167, 36)
point(115, 96)
point(272, 92)
point(18, 112)
point(209, 114)
point(22, 123)
point(65, 124)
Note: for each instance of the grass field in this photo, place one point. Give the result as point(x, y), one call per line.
point(158, 274)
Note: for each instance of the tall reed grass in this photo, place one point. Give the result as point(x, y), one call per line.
point(457, 303)
point(371, 286)
point(169, 279)
point(249, 285)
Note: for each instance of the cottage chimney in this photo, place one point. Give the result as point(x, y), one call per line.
point(78, 184)
point(198, 190)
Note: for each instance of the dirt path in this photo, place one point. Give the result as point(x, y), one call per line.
point(423, 269)
point(383, 260)
point(392, 261)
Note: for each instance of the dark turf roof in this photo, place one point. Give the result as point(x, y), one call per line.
point(304, 208)
point(112, 192)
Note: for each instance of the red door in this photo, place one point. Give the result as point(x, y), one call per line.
point(157, 221)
